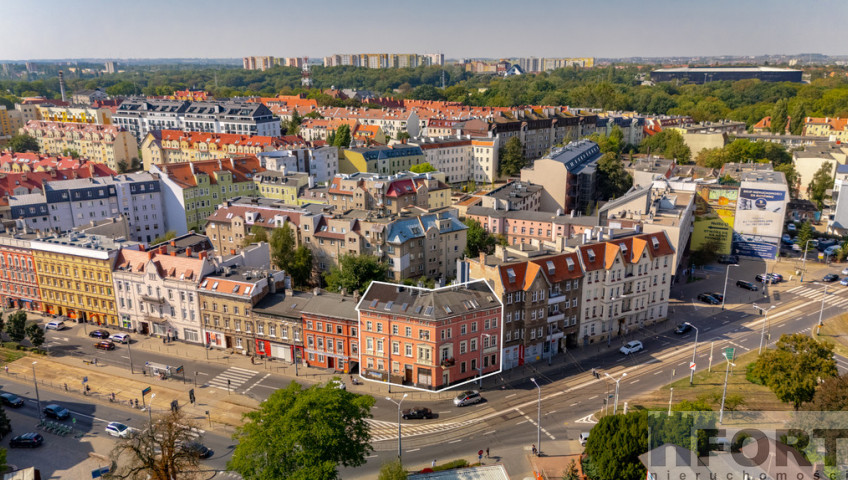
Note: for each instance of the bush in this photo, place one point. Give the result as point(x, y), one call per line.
point(451, 465)
point(10, 345)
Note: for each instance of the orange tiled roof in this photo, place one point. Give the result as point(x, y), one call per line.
point(242, 169)
point(194, 138)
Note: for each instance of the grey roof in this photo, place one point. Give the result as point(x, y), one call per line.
point(332, 305)
point(631, 194)
point(272, 177)
point(514, 189)
point(576, 155)
point(405, 229)
point(532, 216)
point(427, 304)
point(281, 304)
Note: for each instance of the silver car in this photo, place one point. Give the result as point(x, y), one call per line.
point(468, 397)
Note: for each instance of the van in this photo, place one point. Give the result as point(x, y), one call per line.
point(583, 438)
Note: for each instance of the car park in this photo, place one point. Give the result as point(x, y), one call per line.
point(825, 244)
point(99, 334)
point(55, 325)
point(120, 337)
point(11, 400)
point(746, 285)
point(118, 429)
point(707, 298)
point(56, 411)
point(468, 397)
point(104, 345)
point(682, 328)
point(27, 440)
point(631, 347)
point(830, 277)
point(417, 413)
point(786, 238)
point(791, 227)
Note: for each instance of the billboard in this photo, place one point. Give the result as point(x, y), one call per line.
point(715, 210)
point(761, 212)
point(757, 246)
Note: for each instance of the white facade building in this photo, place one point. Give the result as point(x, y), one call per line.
point(321, 163)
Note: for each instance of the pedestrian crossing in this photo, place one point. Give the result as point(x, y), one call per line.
point(382, 430)
point(835, 294)
point(235, 376)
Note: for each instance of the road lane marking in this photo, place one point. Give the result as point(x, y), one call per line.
point(514, 394)
point(592, 398)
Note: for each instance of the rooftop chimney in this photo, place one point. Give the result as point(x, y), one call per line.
point(202, 255)
point(173, 243)
point(188, 251)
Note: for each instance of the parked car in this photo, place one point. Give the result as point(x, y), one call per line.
point(198, 449)
point(844, 282)
point(707, 298)
point(746, 285)
point(814, 243)
point(11, 400)
point(120, 337)
point(831, 250)
point(791, 227)
point(56, 411)
point(118, 429)
point(104, 345)
point(830, 277)
point(786, 238)
point(631, 347)
point(825, 244)
point(417, 412)
point(99, 334)
point(768, 278)
point(27, 440)
point(55, 325)
point(728, 259)
point(583, 437)
point(682, 328)
point(468, 397)
point(796, 247)
point(718, 296)
point(845, 271)
point(776, 276)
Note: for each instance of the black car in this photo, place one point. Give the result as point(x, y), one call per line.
point(728, 259)
point(682, 328)
point(707, 298)
point(11, 400)
point(718, 296)
point(769, 278)
point(27, 440)
point(830, 277)
point(746, 285)
point(99, 334)
point(198, 449)
point(56, 411)
point(417, 412)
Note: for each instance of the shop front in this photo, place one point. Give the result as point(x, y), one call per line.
point(216, 339)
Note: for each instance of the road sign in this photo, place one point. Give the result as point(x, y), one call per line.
point(728, 353)
point(692, 365)
point(99, 472)
point(180, 369)
point(146, 391)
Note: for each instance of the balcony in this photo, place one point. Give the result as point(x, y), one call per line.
point(448, 362)
point(556, 318)
point(555, 297)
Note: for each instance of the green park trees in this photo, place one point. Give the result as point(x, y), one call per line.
point(821, 182)
point(23, 143)
point(287, 256)
point(356, 272)
point(511, 158)
point(478, 239)
point(303, 434)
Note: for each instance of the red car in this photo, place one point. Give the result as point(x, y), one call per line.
point(105, 345)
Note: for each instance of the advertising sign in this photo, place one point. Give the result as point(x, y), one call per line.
point(756, 246)
point(760, 212)
point(715, 209)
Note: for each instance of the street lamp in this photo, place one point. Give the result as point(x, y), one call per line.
point(538, 418)
point(804, 264)
point(765, 321)
point(480, 365)
point(615, 407)
point(694, 351)
point(37, 398)
point(724, 295)
point(821, 312)
point(398, 405)
point(724, 394)
point(150, 410)
point(129, 352)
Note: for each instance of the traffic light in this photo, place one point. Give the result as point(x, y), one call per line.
point(191, 395)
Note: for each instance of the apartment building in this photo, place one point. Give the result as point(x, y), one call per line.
point(809, 160)
point(451, 156)
point(391, 121)
point(526, 227)
point(279, 316)
point(227, 299)
point(331, 329)
point(388, 193)
point(141, 116)
point(177, 146)
point(18, 278)
point(233, 221)
point(568, 176)
point(259, 63)
point(10, 122)
point(321, 163)
point(75, 275)
point(107, 144)
point(626, 285)
point(514, 196)
point(425, 245)
point(383, 160)
point(193, 190)
point(284, 186)
point(429, 339)
point(74, 114)
point(540, 292)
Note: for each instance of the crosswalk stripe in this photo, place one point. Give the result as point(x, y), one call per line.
point(237, 369)
point(792, 290)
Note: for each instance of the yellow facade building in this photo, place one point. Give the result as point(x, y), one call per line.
point(91, 115)
point(75, 276)
point(107, 144)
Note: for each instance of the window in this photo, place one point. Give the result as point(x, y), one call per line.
point(408, 350)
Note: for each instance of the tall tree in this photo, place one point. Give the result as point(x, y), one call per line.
point(805, 234)
point(341, 137)
point(257, 234)
point(613, 180)
point(793, 179)
point(821, 182)
point(831, 396)
point(356, 272)
point(282, 245)
point(477, 239)
point(779, 116)
point(158, 452)
point(793, 369)
point(35, 334)
point(796, 119)
point(511, 158)
point(300, 267)
point(303, 434)
point(23, 143)
point(16, 326)
point(667, 143)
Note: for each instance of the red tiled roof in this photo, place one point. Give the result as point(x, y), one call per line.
point(242, 169)
point(221, 139)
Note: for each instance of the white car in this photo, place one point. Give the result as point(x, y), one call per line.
point(791, 227)
point(55, 325)
point(117, 429)
point(631, 347)
point(796, 247)
point(831, 250)
point(120, 338)
point(845, 271)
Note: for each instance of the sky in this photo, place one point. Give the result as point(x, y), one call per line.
point(57, 29)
